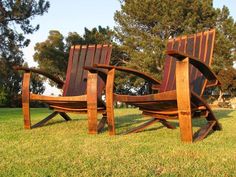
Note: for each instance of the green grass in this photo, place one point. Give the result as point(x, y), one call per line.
point(65, 149)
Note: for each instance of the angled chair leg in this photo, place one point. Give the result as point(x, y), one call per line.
point(110, 101)
point(92, 102)
point(204, 131)
point(42, 122)
point(102, 122)
point(167, 124)
point(26, 100)
point(183, 100)
point(141, 127)
point(65, 116)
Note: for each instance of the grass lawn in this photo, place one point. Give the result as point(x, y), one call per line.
point(65, 149)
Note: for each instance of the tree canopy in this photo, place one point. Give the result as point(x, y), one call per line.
point(15, 23)
point(143, 28)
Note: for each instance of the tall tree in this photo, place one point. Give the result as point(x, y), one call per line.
point(15, 22)
point(145, 26)
point(52, 54)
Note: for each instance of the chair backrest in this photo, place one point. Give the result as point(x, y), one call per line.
point(199, 45)
point(80, 56)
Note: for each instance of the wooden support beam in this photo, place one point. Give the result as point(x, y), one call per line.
point(92, 102)
point(65, 116)
point(25, 100)
point(183, 100)
point(142, 126)
point(110, 101)
point(42, 122)
point(204, 131)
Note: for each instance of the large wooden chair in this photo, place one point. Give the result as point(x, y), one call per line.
point(186, 75)
point(82, 90)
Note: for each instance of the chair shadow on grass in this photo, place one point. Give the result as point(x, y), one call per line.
point(127, 122)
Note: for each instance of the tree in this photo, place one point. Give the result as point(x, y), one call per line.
point(14, 24)
point(145, 26)
point(52, 54)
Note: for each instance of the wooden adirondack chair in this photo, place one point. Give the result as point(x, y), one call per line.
point(82, 90)
point(180, 93)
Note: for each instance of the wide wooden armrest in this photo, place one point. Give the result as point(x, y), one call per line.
point(101, 73)
point(202, 67)
point(38, 71)
point(128, 70)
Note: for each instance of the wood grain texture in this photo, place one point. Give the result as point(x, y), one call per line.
point(183, 100)
point(110, 101)
point(81, 89)
point(25, 100)
point(92, 102)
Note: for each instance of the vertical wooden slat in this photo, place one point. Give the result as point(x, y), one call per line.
point(208, 59)
point(25, 100)
point(92, 102)
point(97, 54)
point(68, 73)
point(71, 82)
point(110, 101)
point(88, 62)
point(79, 71)
point(167, 64)
point(183, 100)
point(171, 75)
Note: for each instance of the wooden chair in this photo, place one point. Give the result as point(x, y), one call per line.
point(82, 90)
point(186, 75)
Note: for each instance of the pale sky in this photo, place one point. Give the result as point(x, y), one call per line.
point(73, 15)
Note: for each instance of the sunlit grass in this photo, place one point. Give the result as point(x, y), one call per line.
point(65, 149)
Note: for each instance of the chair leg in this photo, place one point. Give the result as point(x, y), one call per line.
point(26, 100)
point(92, 102)
point(141, 127)
point(110, 101)
point(183, 100)
point(212, 125)
point(42, 122)
point(65, 116)
point(102, 122)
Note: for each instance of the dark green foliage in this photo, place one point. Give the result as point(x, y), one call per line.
point(15, 19)
point(228, 80)
point(145, 26)
point(52, 55)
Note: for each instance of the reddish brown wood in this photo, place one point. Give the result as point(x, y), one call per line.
point(92, 103)
point(185, 73)
point(42, 122)
point(81, 94)
point(142, 126)
point(110, 101)
point(183, 100)
point(65, 116)
point(25, 100)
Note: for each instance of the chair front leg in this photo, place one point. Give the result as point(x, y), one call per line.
point(92, 102)
point(26, 100)
point(183, 100)
point(110, 101)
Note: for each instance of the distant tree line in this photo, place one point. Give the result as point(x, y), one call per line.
point(139, 40)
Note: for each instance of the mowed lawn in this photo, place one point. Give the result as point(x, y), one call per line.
point(65, 149)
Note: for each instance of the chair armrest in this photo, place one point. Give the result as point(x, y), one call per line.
point(202, 67)
point(38, 71)
point(128, 70)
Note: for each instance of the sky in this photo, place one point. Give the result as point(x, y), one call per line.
point(74, 15)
